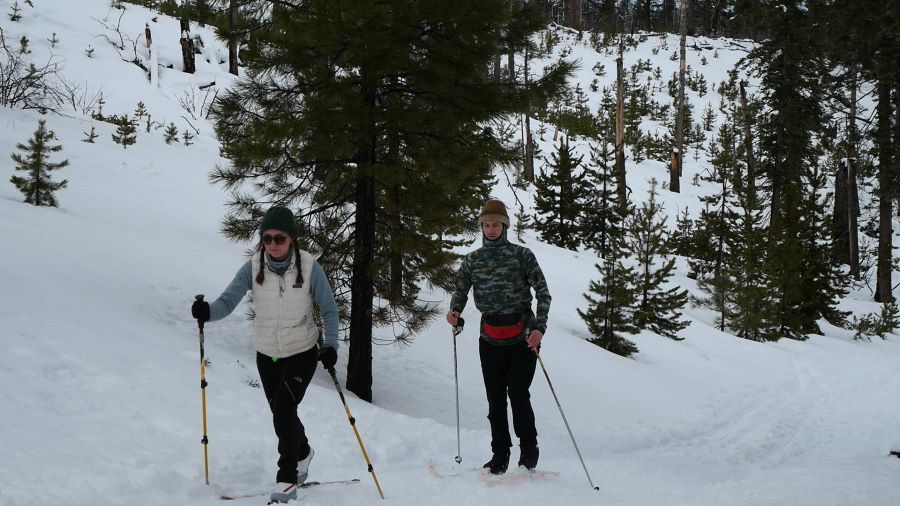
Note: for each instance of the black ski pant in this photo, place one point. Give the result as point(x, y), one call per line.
point(284, 382)
point(508, 371)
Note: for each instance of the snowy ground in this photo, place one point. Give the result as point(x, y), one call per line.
point(99, 376)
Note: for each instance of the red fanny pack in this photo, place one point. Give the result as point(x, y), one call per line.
point(501, 328)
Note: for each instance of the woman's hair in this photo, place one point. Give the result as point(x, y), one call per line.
point(261, 275)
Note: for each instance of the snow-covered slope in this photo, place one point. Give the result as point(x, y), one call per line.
point(99, 371)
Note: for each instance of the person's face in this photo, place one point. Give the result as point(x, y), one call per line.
point(277, 243)
point(492, 229)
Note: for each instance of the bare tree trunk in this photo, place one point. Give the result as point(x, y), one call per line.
point(201, 13)
point(885, 193)
point(621, 190)
point(676, 170)
point(716, 15)
point(575, 14)
point(529, 144)
point(852, 189)
point(187, 47)
point(840, 225)
point(234, 40)
point(748, 138)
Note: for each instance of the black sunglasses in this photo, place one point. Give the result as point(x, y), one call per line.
point(279, 239)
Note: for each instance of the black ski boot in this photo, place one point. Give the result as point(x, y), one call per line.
point(498, 463)
point(528, 456)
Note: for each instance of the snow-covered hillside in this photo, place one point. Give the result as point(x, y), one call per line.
point(99, 370)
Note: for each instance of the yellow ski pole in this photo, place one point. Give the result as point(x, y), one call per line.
point(203, 384)
point(353, 424)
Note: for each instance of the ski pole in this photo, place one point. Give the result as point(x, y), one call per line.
point(203, 384)
point(456, 331)
point(353, 424)
point(536, 352)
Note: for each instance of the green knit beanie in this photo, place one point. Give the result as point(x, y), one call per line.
point(279, 218)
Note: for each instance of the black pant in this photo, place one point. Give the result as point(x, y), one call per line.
point(508, 370)
point(285, 381)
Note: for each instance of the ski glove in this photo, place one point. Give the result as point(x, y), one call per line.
point(200, 310)
point(328, 357)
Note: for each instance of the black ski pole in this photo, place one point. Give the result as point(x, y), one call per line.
point(536, 352)
point(460, 323)
point(203, 384)
point(353, 424)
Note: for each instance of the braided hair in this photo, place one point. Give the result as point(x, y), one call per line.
point(261, 275)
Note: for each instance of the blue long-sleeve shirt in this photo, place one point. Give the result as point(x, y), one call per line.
point(319, 287)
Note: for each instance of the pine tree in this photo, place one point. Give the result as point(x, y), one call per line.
point(790, 64)
point(140, 111)
point(187, 136)
point(126, 133)
point(379, 114)
point(98, 114)
point(54, 40)
point(23, 45)
point(715, 230)
point(35, 162)
point(560, 199)
point(610, 299)
point(90, 137)
point(171, 133)
point(16, 12)
point(656, 308)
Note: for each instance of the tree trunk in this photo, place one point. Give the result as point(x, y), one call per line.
point(529, 144)
point(187, 47)
point(575, 14)
point(748, 139)
point(362, 282)
point(885, 193)
point(234, 39)
point(840, 224)
point(676, 171)
point(716, 15)
point(201, 13)
point(852, 189)
point(621, 191)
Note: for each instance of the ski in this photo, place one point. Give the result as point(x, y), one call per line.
point(517, 476)
point(230, 496)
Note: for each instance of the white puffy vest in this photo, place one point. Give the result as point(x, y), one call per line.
point(284, 324)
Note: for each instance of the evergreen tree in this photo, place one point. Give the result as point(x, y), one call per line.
point(126, 133)
point(35, 162)
point(790, 65)
point(171, 133)
point(656, 308)
point(187, 136)
point(91, 136)
point(560, 199)
point(715, 230)
point(140, 111)
point(610, 299)
point(381, 131)
point(15, 12)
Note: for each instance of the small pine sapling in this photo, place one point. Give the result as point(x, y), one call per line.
point(126, 133)
point(90, 136)
point(171, 133)
point(36, 184)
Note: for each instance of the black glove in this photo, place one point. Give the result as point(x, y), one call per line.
point(328, 357)
point(200, 310)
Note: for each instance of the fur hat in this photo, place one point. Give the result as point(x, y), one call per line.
point(494, 210)
point(279, 218)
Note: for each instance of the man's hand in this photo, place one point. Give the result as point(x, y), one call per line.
point(534, 339)
point(453, 318)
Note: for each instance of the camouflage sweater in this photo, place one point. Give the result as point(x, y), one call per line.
point(502, 275)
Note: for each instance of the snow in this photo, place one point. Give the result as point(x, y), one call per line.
point(99, 375)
